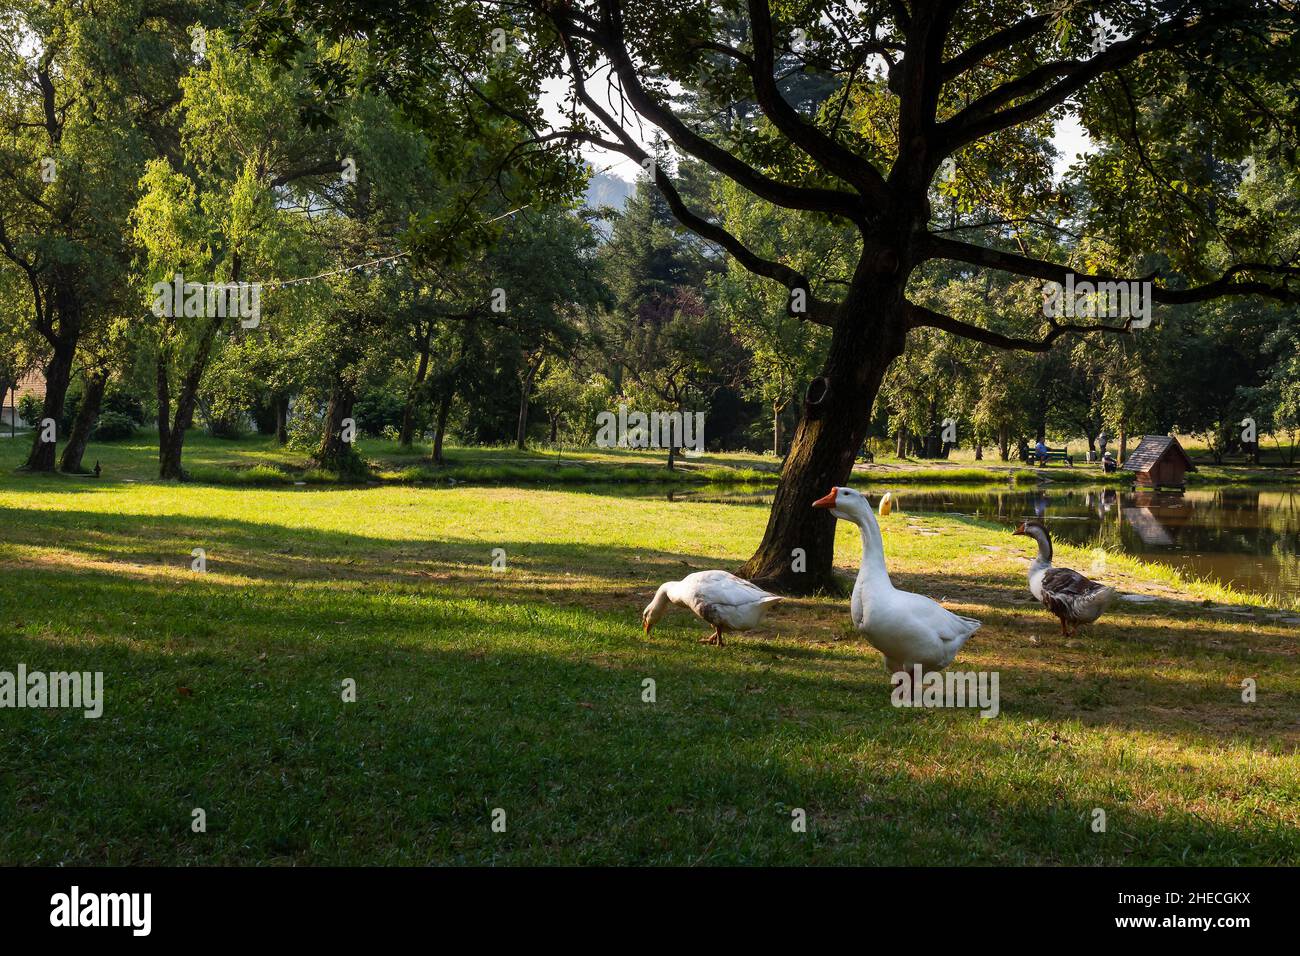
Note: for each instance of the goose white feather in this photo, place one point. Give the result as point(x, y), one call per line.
point(719, 598)
point(908, 629)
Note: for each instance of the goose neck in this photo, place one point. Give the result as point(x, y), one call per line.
point(873, 553)
point(1044, 545)
point(666, 594)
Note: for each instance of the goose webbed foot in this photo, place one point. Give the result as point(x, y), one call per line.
point(714, 638)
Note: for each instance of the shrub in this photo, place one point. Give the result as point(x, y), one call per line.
point(229, 428)
point(29, 409)
point(113, 426)
point(124, 403)
point(71, 404)
point(375, 411)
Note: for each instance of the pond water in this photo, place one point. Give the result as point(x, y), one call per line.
point(1246, 537)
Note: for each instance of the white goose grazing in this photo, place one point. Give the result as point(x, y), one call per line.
point(1073, 598)
point(719, 598)
point(909, 629)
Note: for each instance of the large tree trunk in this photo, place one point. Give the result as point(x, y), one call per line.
point(87, 415)
point(407, 435)
point(836, 416)
point(526, 388)
point(171, 449)
point(58, 373)
point(336, 454)
point(163, 390)
point(1004, 442)
point(281, 419)
point(444, 407)
point(169, 465)
point(413, 394)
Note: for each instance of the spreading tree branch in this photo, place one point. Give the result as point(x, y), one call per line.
point(1004, 39)
point(918, 317)
point(610, 41)
point(833, 156)
point(818, 311)
point(1226, 284)
point(986, 115)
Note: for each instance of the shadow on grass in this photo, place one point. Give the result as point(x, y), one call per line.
point(524, 691)
point(585, 769)
point(368, 594)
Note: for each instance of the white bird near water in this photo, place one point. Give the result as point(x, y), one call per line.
point(908, 629)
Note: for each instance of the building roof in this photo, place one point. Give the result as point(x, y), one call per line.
point(1152, 449)
point(31, 383)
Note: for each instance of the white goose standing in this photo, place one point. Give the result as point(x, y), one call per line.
point(909, 629)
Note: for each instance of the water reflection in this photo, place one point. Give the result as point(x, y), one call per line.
point(1246, 537)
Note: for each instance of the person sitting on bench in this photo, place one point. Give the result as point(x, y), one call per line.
point(1043, 454)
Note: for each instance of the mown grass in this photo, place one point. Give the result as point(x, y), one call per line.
point(260, 461)
point(522, 689)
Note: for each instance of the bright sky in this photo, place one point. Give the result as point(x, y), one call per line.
point(1070, 139)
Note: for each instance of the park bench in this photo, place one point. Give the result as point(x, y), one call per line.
point(1028, 455)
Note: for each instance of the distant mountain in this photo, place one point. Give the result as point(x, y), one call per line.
point(605, 189)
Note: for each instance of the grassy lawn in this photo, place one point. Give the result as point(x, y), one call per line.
point(521, 689)
point(261, 461)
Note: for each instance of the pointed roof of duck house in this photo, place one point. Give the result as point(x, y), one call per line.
point(1151, 449)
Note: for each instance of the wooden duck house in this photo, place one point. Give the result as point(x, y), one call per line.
point(1159, 461)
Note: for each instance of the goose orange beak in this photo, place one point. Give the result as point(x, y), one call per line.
point(827, 502)
point(1020, 529)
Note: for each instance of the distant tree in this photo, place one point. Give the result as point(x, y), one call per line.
point(1281, 399)
point(547, 272)
point(217, 214)
point(665, 344)
point(78, 85)
point(784, 352)
point(572, 401)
